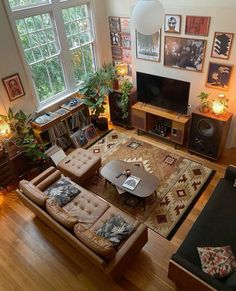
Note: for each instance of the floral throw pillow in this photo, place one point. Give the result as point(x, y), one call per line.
point(62, 191)
point(115, 229)
point(218, 262)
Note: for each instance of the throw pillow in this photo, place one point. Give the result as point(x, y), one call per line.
point(115, 229)
point(218, 262)
point(62, 191)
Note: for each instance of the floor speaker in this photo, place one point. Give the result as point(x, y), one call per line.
point(208, 134)
point(116, 109)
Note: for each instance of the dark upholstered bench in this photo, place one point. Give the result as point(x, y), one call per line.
point(215, 226)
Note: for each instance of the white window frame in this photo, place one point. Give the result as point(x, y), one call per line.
point(54, 7)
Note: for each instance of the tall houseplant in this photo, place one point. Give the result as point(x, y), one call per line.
point(96, 87)
point(126, 88)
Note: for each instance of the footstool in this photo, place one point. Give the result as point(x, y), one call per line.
point(80, 165)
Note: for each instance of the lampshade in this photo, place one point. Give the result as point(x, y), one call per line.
point(219, 105)
point(148, 16)
point(122, 69)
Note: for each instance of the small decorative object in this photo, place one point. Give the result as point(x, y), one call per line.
point(197, 25)
point(184, 53)
point(128, 172)
point(72, 103)
point(134, 145)
point(218, 76)
point(172, 23)
point(222, 45)
point(13, 86)
point(148, 46)
point(148, 16)
point(220, 104)
point(205, 103)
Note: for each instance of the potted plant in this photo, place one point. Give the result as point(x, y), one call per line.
point(205, 103)
point(96, 88)
point(126, 88)
point(22, 135)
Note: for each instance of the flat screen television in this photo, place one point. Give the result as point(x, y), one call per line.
point(163, 92)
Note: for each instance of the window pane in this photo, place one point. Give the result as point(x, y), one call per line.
point(48, 78)
point(42, 54)
point(79, 38)
point(19, 4)
point(83, 62)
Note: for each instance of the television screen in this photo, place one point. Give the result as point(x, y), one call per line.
point(163, 92)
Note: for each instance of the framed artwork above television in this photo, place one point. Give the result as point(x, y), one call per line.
point(222, 44)
point(184, 53)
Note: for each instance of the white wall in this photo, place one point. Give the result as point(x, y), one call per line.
point(222, 20)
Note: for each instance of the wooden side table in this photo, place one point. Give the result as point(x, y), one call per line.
point(7, 173)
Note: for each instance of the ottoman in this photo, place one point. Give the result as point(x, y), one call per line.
point(79, 165)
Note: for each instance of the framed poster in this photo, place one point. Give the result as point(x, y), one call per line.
point(115, 38)
point(222, 45)
point(197, 25)
point(148, 46)
point(126, 56)
point(172, 23)
point(114, 23)
point(126, 40)
point(218, 76)
point(125, 24)
point(116, 53)
point(13, 86)
point(184, 53)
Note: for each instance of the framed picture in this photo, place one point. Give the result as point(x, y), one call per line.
point(126, 56)
point(148, 46)
point(115, 38)
point(184, 53)
point(114, 23)
point(197, 25)
point(13, 86)
point(222, 45)
point(172, 23)
point(126, 40)
point(90, 132)
point(218, 76)
point(78, 138)
point(125, 24)
point(116, 53)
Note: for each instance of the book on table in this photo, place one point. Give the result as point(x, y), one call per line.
point(131, 182)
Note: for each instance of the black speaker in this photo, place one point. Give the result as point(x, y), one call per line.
point(208, 134)
point(116, 109)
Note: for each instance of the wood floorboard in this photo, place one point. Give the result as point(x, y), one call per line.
point(33, 257)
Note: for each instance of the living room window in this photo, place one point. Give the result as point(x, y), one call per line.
point(57, 39)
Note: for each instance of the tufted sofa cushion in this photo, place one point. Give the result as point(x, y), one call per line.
point(33, 193)
point(60, 215)
point(98, 244)
point(86, 207)
point(80, 165)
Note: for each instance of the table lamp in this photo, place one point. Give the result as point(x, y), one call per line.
point(4, 130)
point(220, 104)
point(122, 71)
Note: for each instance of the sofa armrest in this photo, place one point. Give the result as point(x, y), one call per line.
point(230, 173)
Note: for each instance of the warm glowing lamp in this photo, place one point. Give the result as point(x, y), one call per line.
point(122, 69)
point(4, 128)
point(219, 105)
point(148, 16)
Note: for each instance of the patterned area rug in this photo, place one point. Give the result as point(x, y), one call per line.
point(181, 181)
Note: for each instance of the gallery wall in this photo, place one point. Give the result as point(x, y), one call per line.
point(222, 20)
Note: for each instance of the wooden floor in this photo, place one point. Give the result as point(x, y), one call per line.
point(32, 257)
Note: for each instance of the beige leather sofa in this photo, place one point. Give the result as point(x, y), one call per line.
point(78, 220)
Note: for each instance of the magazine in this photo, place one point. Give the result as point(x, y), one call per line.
point(131, 182)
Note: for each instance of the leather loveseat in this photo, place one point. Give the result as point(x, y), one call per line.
point(78, 220)
point(214, 227)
